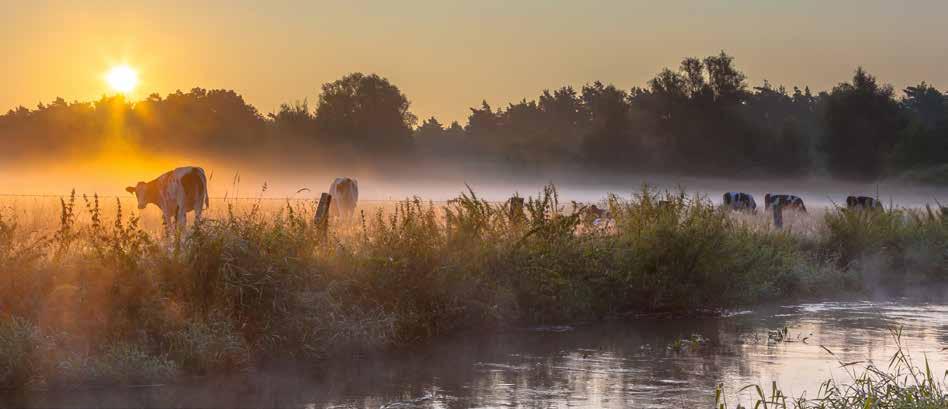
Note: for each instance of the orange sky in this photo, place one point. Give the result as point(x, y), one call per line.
point(448, 56)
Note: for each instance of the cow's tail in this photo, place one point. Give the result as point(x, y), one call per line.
point(207, 195)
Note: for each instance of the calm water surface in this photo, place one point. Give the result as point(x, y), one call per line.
point(617, 364)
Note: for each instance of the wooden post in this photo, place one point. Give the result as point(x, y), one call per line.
point(322, 215)
point(778, 215)
point(515, 212)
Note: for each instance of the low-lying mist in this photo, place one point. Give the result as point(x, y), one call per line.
point(431, 180)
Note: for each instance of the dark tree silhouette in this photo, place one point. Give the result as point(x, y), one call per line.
point(863, 122)
point(924, 142)
point(608, 141)
point(366, 112)
point(701, 118)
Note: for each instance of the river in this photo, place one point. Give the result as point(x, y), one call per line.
point(628, 363)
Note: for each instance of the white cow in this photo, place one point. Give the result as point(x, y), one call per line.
point(345, 197)
point(176, 193)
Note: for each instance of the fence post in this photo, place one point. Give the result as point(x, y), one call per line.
point(321, 220)
point(778, 215)
point(516, 209)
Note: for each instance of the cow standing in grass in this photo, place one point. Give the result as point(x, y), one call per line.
point(786, 201)
point(176, 193)
point(345, 197)
point(862, 203)
point(740, 201)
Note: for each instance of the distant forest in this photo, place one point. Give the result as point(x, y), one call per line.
point(701, 118)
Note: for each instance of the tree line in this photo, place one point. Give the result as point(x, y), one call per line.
point(700, 118)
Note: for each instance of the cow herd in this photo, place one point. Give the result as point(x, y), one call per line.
point(184, 189)
point(745, 201)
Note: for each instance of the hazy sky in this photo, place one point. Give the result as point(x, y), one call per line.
point(448, 56)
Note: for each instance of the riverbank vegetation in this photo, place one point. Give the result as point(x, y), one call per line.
point(101, 300)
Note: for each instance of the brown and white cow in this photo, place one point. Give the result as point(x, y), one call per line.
point(176, 193)
point(345, 197)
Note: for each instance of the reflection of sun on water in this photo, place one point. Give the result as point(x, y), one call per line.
point(122, 78)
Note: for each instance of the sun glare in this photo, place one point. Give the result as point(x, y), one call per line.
point(122, 78)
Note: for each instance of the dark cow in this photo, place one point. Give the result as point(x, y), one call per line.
point(740, 201)
point(786, 201)
point(862, 203)
point(176, 193)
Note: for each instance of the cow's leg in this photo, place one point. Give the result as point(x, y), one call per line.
point(182, 218)
point(166, 221)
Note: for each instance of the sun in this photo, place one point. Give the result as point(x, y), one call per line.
point(122, 78)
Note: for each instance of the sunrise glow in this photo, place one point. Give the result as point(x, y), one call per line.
point(122, 79)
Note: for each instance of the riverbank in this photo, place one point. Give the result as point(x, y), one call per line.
point(98, 303)
point(610, 364)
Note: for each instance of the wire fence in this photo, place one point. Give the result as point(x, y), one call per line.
point(235, 198)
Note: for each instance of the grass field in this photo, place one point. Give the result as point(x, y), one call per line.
point(93, 293)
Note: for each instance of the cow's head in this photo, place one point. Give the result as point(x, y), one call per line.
point(851, 201)
point(140, 190)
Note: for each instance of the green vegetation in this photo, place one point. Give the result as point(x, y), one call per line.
point(909, 246)
point(109, 303)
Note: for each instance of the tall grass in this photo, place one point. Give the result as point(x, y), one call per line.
point(91, 300)
point(905, 245)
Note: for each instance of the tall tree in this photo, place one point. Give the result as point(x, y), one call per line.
point(726, 81)
point(609, 142)
point(863, 122)
point(366, 112)
point(924, 142)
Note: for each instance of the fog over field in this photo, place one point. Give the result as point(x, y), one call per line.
point(443, 182)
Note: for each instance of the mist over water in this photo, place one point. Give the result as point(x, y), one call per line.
point(606, 365)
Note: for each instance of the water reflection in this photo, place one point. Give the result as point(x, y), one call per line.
point(618, 364)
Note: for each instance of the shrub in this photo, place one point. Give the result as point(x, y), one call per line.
point(117, 364)
point(677, 253)
point(904, 244)
point(20, 352)
point(203, 347)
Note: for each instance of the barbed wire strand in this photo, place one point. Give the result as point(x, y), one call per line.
point(243, 198)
